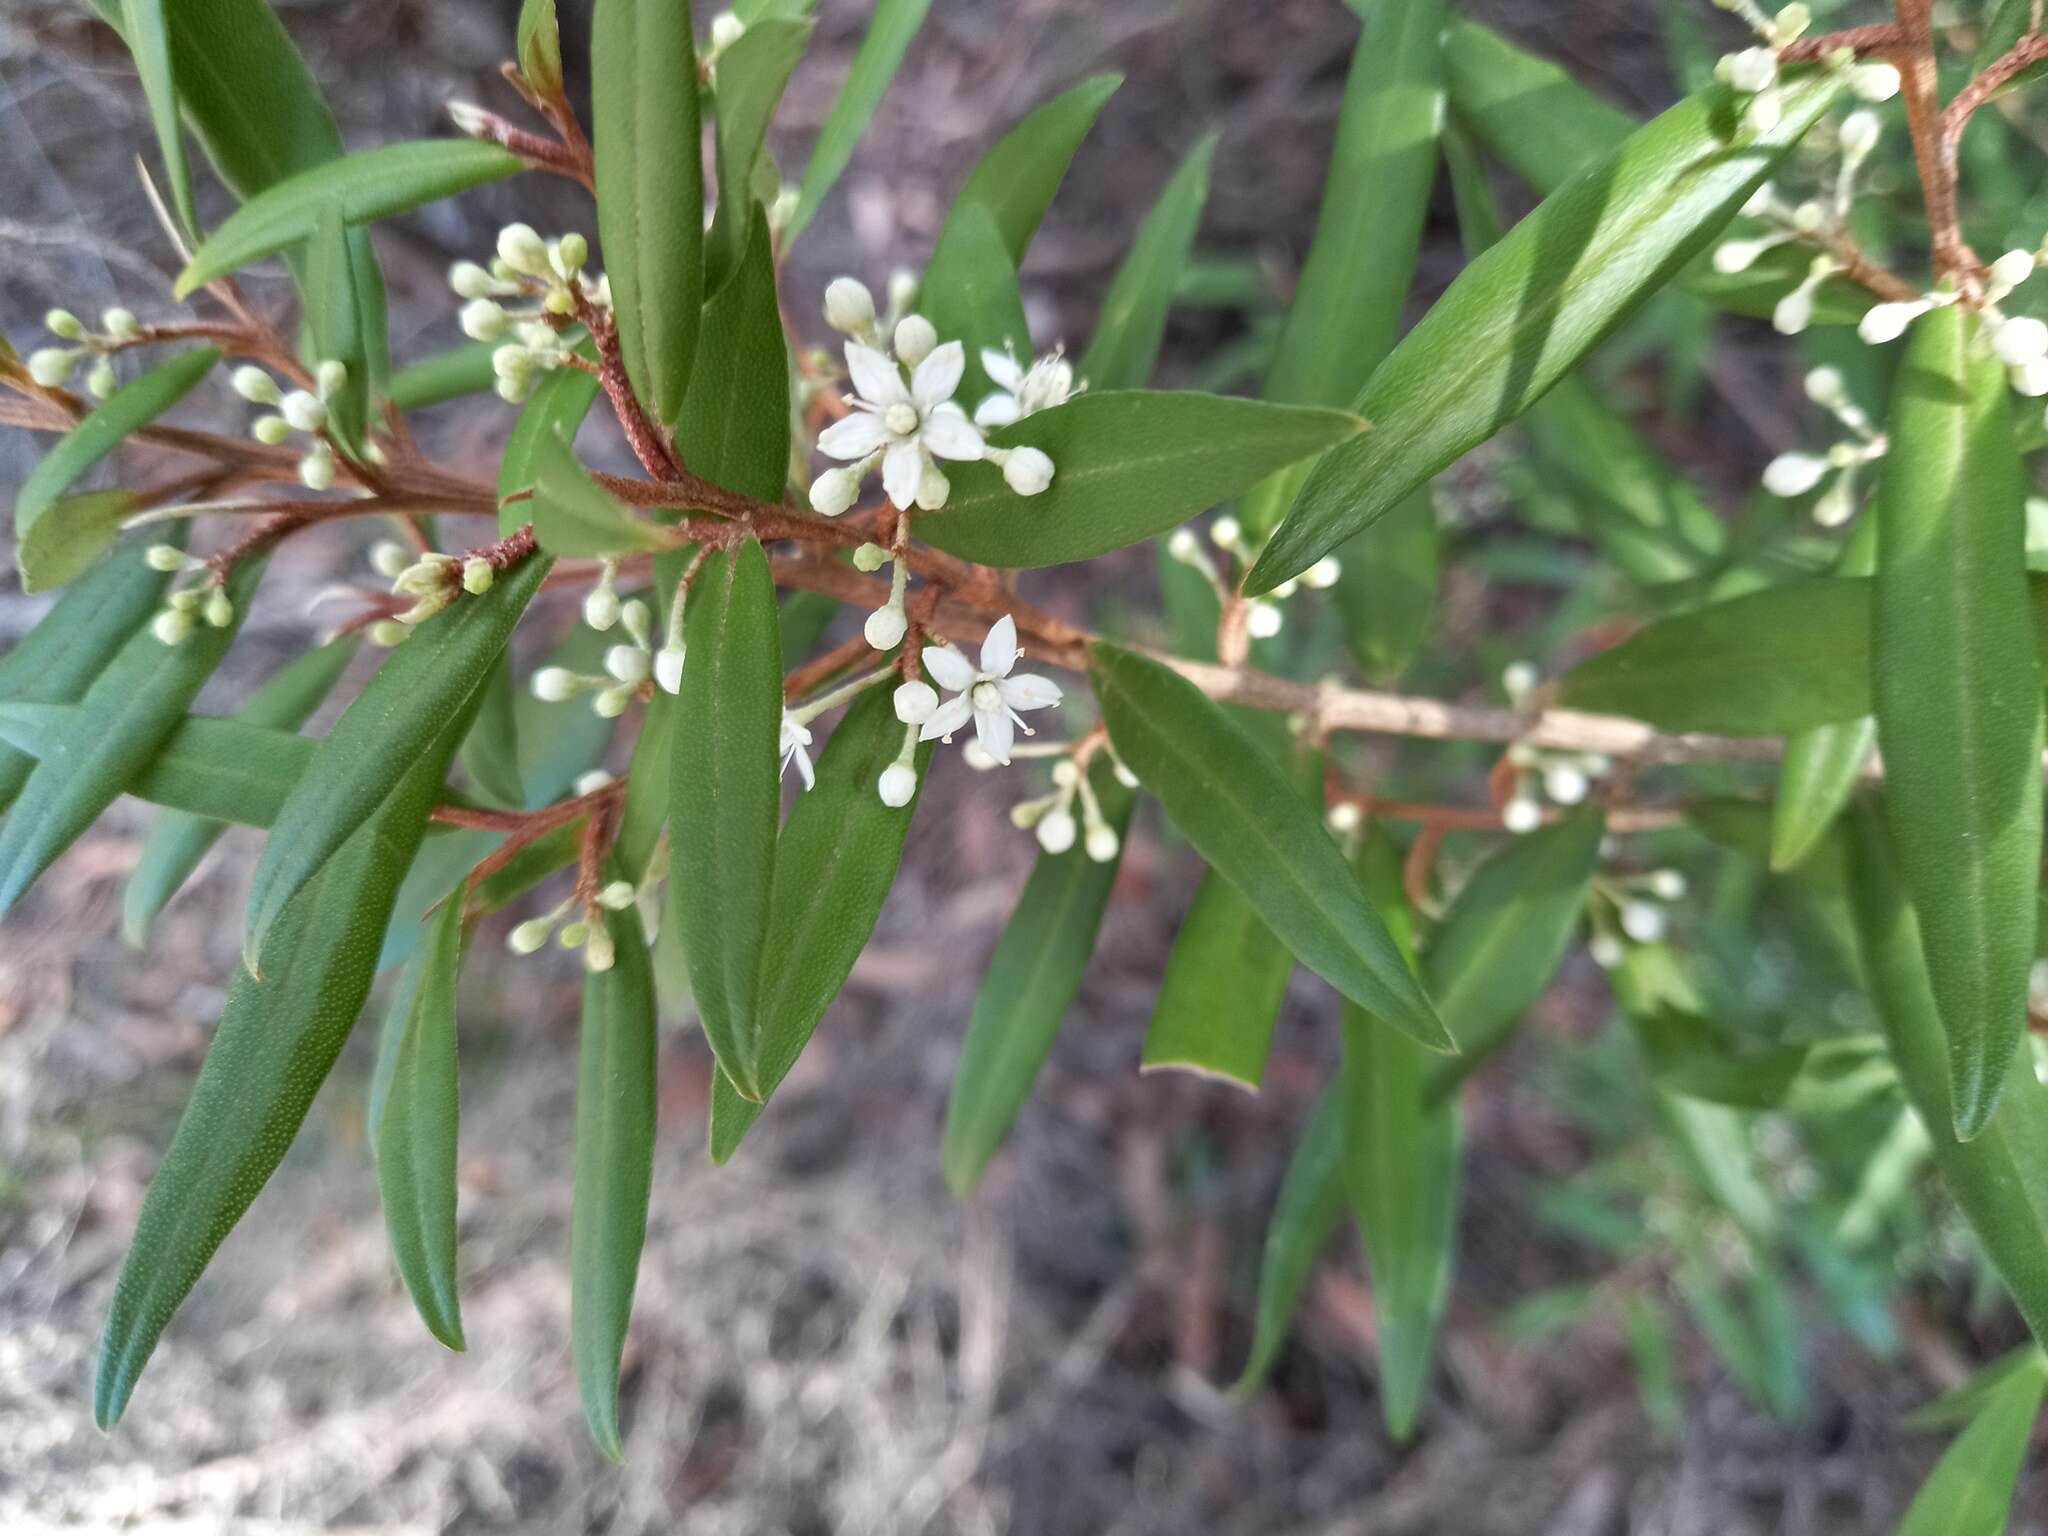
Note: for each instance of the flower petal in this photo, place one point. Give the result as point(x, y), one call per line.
point(933, 380)
point(946, 719)
point(876, 378)
point(951, 436)
point(997, 734)
point(902, 471)
point(997, 410)
point(1002, 369)
point(949, 667)
point(853, 437)
point(999, 650)
point(803, 766)
point(1027, 690)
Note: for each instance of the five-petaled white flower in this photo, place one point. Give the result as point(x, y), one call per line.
point(990, 697)
point(1022, 391)
point(796, 739)
point(908, 426)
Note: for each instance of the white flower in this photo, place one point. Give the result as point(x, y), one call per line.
point(907, 425)
point(1521, 814)
point(796, 739)
point(1056, 831)
point(1020, 391)
point(990, 697)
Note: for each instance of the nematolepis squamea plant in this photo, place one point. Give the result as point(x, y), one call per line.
point(1774, 659)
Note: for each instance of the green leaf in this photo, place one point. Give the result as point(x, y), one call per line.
point(1311, 1199)
point(573, 515)
point(55, 662)
point(970, 295)
point(614, 1170)
point(345, 321)
point(558, 743)
point(550, 417)
point(131, 706)
point(747, 84)
point(1994, 1176)
point(128, 409)
point(1521, 316)
point(734, 428)
point(272, 1049)
point(1649, 1347)
point(1505, 936)
point(1962, 1403)
point(1132, 321)
point(223, 770)
point(1688, 1056)
point(891, 27)
point(725, 799)
point(650, 189)
point(2008, 23)
point(68, 537)
point(834, 865)
point(1236, 806)
point(403, 708)
point(1018, 176)
point(1030, 983)
point(538, 39)
point(1128, 465)
point(1969, 1492)
point(1821, 765)
point(360, 188)
point(1958, 695)
point(462, 370)
point(645, 811)
point(144, 28)
point(1221, 991)
point(413, 1132)
point(179, 839)
point(1386, 588)
point(490, 752)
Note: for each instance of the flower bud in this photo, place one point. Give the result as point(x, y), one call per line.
point(634, 615)
point(526, 938)
point(1518, 679)
point(51, 366)
point(1734, 256)
point(1794, 474)
point(573, 935)
point(726, 29)
point(1874, 82)
point(1565, 783)
point(1227, 531)
point(483, 320)
point(304, 411)
point(1323, 574)
point(220, 609)
point(2012, 269)
point(601, 607)
point(1521, 814)
point(617, 896)
point(1826, 389)
point(523, 250)
point(1764, 112)
point(1859, 134)
point(559, 301)
point(120, 324)
point(63, 323)
point(389, 558)
point(903, 287)
point(569, 254)
point(270, 430)
point(611, 703)
point(551, 685)
point(1607, 951)
point(171, 626)
point(977, 756)
point(477, 575)
point(1262, 621)
point(1642, 921)
point(164, 557)
point(1667, 884)
point(1794, 312)
point(897, 786)
point(1837, 504)
point(471, 281)
point(915, 701)
point(870, 558)
point(1102, 843)
point(254, 385)
point(1184, 546)
point(101, 382)
point(1027, 471)
point(2020, 341)
point(590, 783)
point(849, 307)
point(1887, 322)
point(2031, 377)
point(330, 378)
point(834, 491)
point(1056, 831)
point(885, 628)
point(1344, 817)
point(932, 487)
point(316, 470)
point(915, 339)
point(599, 952)
point(387, 633)
point(1753, 70)
point(628, 663)
point(668, 668)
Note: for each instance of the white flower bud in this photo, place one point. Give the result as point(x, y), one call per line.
point(599, 953)
point(512, 361)
point(164, 557)
point(2020, 341)
point(569, 254)
point(1056, 831)
point(1825, 388)
point(1764, 112)
point(849, 307)
point(387, 633)
point(316, 470)
point(526, 938)
point(1323, 574)
point(897, 786)
point(1874, 82)
point(483, 320)
point(611, 703)
point(573, 935)
point(2012, 269)
point(1123, 775)
point(1734, 256)
point(1521, 814)
point(834, 491)
point(590, 783)
point(977, 757)
point(171, 626)
point(1066, 773)
point(915, 701)
point(1887, 322)
point(51, 366)
point(559, 301)
point(1345, 818)
point(903, 286)
point(470, 119)
point(270, 430)
point(551, 685)
point(885, 627)
point(1102, 843)
point(254, 385)
point(668, 668)
point(628, 663)
point(513, 391)
point(1859, 134)
point(477, 575)
point(389, 559)
point(1667, 884)
point(1518, 679)
point(1794, 312)
point(1262, 621)
point(1642, 921)
point(1789, 23)
point(101, 382)
point(601, 607)
point(330, 378)
point(304, 411)
point(1184, 546)
point(1227, 531)
point(220, 610)
point(1809, 218)
point(634, 615)
point(1794, 474)
point(120, 324)
point(471, 281)
point(1753, 70)
point(726, 29)
point(1286, 589)
point(63, 323)
point(1027, 471)
point(933, 487)
point(1607, 951)
point(869, 558)
point(185, 602)
point(1565, 783)
point(1837, 504)
point(523, 250)
point(617, 896)
point(915, 338)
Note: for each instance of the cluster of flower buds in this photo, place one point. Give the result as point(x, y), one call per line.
point(1795, 474)
point(586, 931)
point(299, 410)
point(547, 277)
point(1052, 816)
point(2020, 342)
point(186, 606)
point(433, 581)
point(1634, 909)
point(903, 417)
point(1753, 72)
point(1263, 615)
point(627, 666)
point(52, 366)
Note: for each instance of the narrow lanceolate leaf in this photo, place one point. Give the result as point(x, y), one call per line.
point(551, 415)
point(970, 294)
point(1386, 589)
point(224, 770)
point(274, 1045)
point(403, 708)
point(1311, 1199)
point(1958, 694)
point(1962, 1403)
point(614, 1170)
point(1132, 320)
point(650, 189)
point(1765, 664)
point(144, 29)
point(1969, 1492)
point(345, 322)
point(134, 405)
point(133, 704)
point(1994, 1176)
point(1236, 806)
point(359, 188)
point(572, 514)
point(1221, 991)
point(749, 82)
point(834, 864)
point(413, 1134)
point(490, 752)
point(725, 798)
point(890, 28)
point(1017, 178)
point(179, 840)
point(55, 662)
point(734, 429)
point(1521, 316)
point(1505, 936)
point(462, 370)
point(1030, 983)
point(1128, 465)
point(68, 537)
point(1821, 765)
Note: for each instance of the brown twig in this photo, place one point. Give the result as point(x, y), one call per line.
point(1934, 153)
point(1881, 40)
point(1955, 117)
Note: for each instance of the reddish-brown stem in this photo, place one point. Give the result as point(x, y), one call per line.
point(2028, 51)
point(1933, 151)
point(543, 154)
point(649, 444)
point(819, 669)
point(1880, 40)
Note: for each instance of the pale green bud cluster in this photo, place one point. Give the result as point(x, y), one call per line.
point(187, 607)
point(301, 411)
point(52, 367)
point(548, 275)
point(1796, 474)
point(1051, 816)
